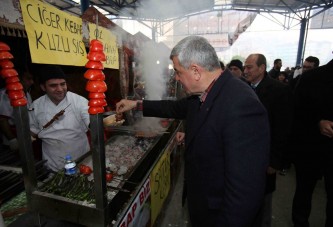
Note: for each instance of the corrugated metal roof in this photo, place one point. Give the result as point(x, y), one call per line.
point(136, 9)
point(286, 6)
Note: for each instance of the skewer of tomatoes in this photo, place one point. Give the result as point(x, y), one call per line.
point(13, 85)
point(96, 85)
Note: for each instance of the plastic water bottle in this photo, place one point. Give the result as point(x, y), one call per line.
point(70, 165)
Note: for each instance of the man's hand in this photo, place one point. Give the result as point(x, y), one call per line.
point(270, 170)
point(326, 128)
point(125, 105)
point(180, 137)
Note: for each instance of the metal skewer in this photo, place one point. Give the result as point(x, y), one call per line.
point(130, 129)
point(54, 118)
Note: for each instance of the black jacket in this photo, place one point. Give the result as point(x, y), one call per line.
point(313, 102)
point(226, 156)
point(277, 99)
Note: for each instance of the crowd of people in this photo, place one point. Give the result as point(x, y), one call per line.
point(303, 128)
point(243, 125)
point(229, 164)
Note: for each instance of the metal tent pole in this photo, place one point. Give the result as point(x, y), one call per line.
point(26, 152)
point(300, 50)
point(98, 156)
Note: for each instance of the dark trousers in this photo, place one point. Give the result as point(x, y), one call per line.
point(307, 175)
point(264, 216)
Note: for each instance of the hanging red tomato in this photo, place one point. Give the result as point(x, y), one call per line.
point(5, 55)
point(14, 86)
point(96, 45)
point(4, 46)
point(6, 64)
point(96, 56)
point(8, 73)
point(15, 94)
point(96, 95)
point(12, 79)
point(94, 65)
point(18, 102)
point(97, 102)
point(94, 74)
point(95, 110)
point(96, 86)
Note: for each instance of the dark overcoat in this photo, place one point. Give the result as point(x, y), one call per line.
point(313, 102)
point(227, 151)
point(277, 99)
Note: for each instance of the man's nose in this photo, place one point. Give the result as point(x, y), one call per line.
point(59, 88)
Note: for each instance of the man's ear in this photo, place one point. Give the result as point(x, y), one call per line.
point(196, 71)
point(262, 68)
point(42, 86)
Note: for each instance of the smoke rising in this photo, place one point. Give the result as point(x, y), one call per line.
point(154, 61)
point(151, 58)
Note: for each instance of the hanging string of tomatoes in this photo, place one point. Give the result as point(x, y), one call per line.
point(13, 85)
point(95, 85)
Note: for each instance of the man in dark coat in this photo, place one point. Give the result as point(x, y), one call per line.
point(277, 99)
point(275, 71)
point(309, 63)
point(226, 156)
point(313, 141)
point(236, 68)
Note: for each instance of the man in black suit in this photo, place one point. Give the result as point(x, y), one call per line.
point(277, 99)
point(313, 141)
point(226, 157)
point(275, 71)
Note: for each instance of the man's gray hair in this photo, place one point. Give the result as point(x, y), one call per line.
point(196, 50)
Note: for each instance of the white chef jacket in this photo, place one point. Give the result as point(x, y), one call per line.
point(67, 135)
point(7, 109)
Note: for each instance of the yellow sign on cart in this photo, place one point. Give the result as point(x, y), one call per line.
point(54, 37)
point(160, 184)
point(109, 43)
